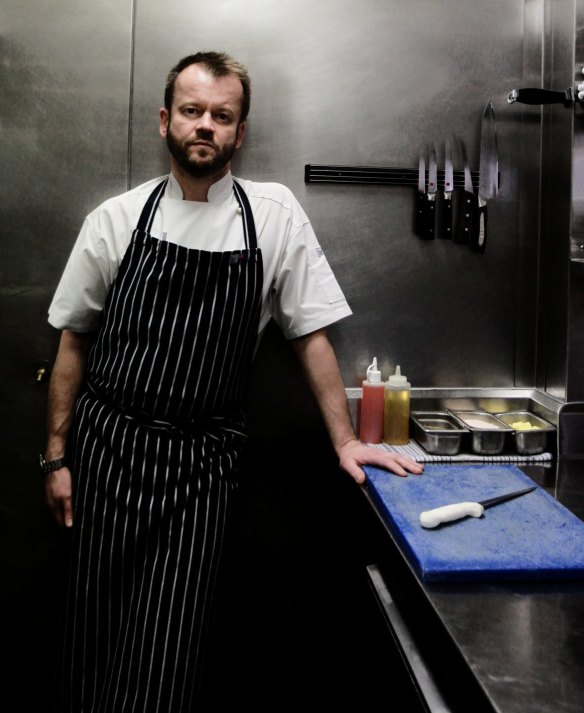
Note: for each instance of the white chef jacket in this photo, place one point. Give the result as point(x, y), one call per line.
point(300, 291)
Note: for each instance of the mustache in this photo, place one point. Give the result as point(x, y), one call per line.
point(201, 136)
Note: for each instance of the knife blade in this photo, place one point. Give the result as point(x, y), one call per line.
point(488, 178)
point(456, 511)
point(421, 217)
point(467, 204)
point(446, 212)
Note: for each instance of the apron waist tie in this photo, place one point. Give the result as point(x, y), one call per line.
point(232, 420)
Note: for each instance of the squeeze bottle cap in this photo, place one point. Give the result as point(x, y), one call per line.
point(398, 378)
point(373, 373)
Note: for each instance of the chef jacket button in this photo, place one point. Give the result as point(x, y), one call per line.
point(239, 210)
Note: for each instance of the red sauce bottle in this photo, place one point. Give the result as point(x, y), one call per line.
point(372, 402)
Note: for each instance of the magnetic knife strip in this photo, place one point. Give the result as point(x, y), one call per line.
point(317, 173)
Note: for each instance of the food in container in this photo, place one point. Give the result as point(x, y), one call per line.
point(531, 431)
point(487, 431)
point(437, 432)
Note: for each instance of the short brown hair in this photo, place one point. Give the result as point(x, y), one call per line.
point(220, 65)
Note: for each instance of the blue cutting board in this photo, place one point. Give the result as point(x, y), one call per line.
point(530, 537)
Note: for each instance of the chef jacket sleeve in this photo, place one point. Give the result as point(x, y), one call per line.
point(81, 293)
point(305, 293)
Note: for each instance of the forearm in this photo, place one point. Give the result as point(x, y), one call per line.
point(322, 372)
point(324, 377)
point(66, 379)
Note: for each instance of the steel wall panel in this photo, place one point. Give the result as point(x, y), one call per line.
point(64, 82)
point(368, 83)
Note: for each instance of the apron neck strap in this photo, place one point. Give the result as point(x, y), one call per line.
point(249, 231)
point(147, 215)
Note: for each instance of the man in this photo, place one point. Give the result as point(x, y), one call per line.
point(162, 303)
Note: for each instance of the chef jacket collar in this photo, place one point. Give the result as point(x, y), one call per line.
point(218, 192)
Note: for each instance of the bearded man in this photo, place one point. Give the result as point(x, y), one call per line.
point(161, 305)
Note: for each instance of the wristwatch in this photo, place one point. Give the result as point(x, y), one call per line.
point(48, 466)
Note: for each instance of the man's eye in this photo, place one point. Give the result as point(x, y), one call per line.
point(191, 111)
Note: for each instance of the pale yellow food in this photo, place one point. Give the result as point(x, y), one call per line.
point(524, 426)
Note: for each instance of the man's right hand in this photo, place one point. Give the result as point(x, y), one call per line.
point(58, 491)
point(64, 386)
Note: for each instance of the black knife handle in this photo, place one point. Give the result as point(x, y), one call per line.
point(480, 231)
point(463, 232)
point(424, 217)
point(540, 96)
point(446, 218)
point(431, 218)
point(420, 214)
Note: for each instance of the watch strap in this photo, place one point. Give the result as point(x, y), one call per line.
point(48, 466)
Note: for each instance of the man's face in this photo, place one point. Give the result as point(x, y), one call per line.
point(203, 129)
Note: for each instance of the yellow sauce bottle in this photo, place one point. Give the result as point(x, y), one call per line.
point(396, 410)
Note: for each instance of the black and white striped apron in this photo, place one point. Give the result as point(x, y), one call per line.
point(159, 430)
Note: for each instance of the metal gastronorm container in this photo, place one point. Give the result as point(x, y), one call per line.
point(487, 431)
point(438, 432)
point(530, 441)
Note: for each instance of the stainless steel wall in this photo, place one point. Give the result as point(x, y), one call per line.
point(338, 81)
point(64, 78)
point(64, 88)
point(556, 172)
point(370, 83)
point(575, 357)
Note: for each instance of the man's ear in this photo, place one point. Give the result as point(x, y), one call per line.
point(164, 118)
point(240, 134)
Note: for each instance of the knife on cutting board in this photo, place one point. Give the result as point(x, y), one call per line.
point(488, 178)
point(446, 212)
point(467, 209)
point(456, 511)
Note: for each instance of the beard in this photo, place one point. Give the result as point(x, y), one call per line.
point(197, 166)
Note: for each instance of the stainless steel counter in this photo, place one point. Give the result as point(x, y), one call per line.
point(510, 647)
point(490, 399)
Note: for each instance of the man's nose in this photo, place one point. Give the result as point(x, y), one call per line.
point(205, 122)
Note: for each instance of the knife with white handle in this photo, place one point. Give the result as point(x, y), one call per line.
point(456, 511)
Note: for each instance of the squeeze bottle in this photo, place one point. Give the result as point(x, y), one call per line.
point(396, 412)
point(371, 423)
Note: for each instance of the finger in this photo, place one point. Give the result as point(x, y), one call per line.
point(406, 461)
point(68, 512)
point(389, 461)
point(357, 474)
point(412, 465)
point(351, 467)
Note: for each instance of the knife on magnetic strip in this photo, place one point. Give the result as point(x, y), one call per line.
point(467, 207)
point(421, 216)
point(432, 192)
point(488, 178)
point(446, 213)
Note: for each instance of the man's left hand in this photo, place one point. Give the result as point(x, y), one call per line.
point(353, 454)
